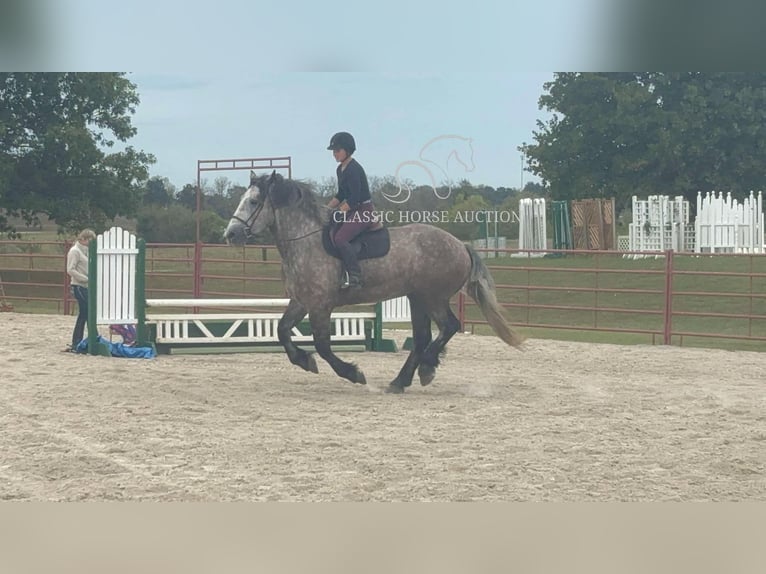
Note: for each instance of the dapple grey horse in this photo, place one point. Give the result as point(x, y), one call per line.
point(425, 263)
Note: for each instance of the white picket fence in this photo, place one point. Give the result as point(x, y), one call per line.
point(660, 223)
point(724, 225)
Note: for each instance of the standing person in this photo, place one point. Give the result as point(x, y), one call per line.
point(354, 201)
point(77, 269)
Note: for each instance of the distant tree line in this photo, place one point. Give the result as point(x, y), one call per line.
point(168, 214)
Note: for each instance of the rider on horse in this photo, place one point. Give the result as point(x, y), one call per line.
point(354, 204)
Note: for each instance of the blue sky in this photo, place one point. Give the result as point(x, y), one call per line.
point(185, 117)
point(295, 35)
point(241, 78)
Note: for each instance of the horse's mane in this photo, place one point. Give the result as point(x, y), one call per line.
point(311, 201)
point(301, 196)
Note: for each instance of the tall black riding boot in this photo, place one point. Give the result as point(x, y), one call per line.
point(353, 276)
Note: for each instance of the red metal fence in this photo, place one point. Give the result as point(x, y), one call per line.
point(664, 298)
point(668, 297)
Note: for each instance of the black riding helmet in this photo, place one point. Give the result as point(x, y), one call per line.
point(343, 140)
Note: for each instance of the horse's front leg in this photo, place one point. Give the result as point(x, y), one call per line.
point(294, 313)
point(320, 326)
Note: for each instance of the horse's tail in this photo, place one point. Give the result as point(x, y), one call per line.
point(481, 288)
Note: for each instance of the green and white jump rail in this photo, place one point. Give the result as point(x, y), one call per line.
point(252, 331)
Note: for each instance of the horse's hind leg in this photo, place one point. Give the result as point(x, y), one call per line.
point(421, 335)
point(293, 315)
point(320, 326)
point(448, 324)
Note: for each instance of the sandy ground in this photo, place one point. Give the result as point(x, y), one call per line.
point(562, 421)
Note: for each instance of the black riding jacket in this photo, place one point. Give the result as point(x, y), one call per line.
point(352, 185)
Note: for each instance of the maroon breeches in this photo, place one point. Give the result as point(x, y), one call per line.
point(356, 221)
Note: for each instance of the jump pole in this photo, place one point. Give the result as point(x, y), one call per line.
point(217, 332)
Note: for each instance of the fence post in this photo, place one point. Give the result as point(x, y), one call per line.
point(461, 309)
point(142, 335)
point(92, 296)
point(378, 343)
point(668, 314)
point(377, 327)
point(197, 270)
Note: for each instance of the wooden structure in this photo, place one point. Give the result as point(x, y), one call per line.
point(594, 224)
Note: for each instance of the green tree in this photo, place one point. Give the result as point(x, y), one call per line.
point(173, 224)
point(56, 135)
point(158, 191)
point(532, 188)
point(465, 219)
point(187, 196)
point(222, 205)
point(624, 134)
point(177, 224)
point(212, 227)
point(221, 185)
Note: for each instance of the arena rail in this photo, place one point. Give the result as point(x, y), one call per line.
point(667, 297)
point(681, 303)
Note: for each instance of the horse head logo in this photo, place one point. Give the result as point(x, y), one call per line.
point(435, 159)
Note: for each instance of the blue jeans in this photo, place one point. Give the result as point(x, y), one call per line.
point(81, 295)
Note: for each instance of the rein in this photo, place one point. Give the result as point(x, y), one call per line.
point(254, 215)
point(303, 236)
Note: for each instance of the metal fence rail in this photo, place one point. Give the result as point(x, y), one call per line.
point(668, 297)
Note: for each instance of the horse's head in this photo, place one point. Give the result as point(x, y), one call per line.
point(255, 212)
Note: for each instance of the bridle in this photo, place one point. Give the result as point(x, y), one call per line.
point(254, 215)
point(251, 219)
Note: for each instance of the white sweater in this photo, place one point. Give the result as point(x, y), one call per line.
point(77, 264)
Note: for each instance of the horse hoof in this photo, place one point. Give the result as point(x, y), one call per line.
point(360, 378)
point(426, 375)
point(311, 365)
point(394, 389)
point(401, 382)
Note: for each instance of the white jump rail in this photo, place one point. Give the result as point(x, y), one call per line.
point(175, 328)
point(396, 310)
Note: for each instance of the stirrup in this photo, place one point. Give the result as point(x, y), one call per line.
point(348, 283)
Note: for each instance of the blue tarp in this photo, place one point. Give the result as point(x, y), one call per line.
point(119, 349)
